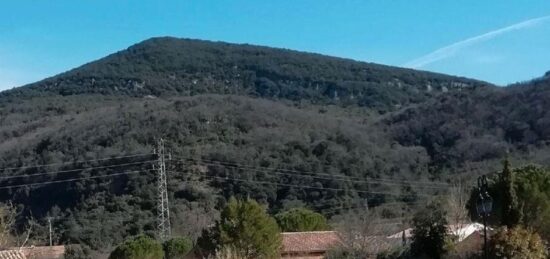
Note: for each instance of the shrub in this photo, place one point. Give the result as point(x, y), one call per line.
point(76, 252)
point(429, 232)
point(300, 219)
point(395, 253)
point(342, 253)
point(177, 247)
point(141, 247)
point(245, 227)
point(228, 252)
point(517, 243)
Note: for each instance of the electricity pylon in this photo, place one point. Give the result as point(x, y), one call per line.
point(163, 210)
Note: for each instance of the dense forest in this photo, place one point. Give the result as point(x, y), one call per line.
point(169, 66)
point(283, 127)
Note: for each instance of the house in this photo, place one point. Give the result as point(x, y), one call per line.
point(34, 252)
point(315, 244)
point(12, 254)
point(461, 231)
point(469, 246)
point(406, 233)
point(44, 252)
point(308, 245)
point(469, 238)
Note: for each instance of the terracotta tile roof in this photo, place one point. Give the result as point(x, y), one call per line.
point(43, 252)
point(12, 254)
point(309, 242)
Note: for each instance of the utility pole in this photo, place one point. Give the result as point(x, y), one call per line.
point(403, 234)
point(50, 229)
point(163, 211)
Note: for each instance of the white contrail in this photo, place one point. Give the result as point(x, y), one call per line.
point(450, 50)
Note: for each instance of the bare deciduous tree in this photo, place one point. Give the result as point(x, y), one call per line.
point(8, 214)
point(363, 232)
point(190, 219)
point(457, 214)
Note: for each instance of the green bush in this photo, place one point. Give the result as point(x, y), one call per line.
point(177, 247)
point(228, 252)
point(429, 232)
point(395, 253)
point(528, 204)
point(141, 247)
point(342, 253)
point(245, 227)
point(517, 243)
point(76, 252)
point(301, 219)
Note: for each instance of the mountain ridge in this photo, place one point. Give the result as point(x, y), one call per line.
point(168, 66)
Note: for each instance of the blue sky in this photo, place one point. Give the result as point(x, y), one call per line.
point(501, 41)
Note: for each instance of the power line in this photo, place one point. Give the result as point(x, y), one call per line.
point(317, 177)
point(306, 172)
point(74, 162)
point(136, 172)
point(73, 170)
point(355, 202)
point(216, 177)
point(217, 162)
point(334, 178)
point(304, 186)
point(334, 210)
point(354, 208)
point(72, 180)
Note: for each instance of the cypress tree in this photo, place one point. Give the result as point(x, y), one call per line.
point(430, 232)
point(511, 211)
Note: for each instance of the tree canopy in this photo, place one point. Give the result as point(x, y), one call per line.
point(245, 226)
point(177, 247)
point(517, 243)
point(141, 247)
point(301, 219)
point(531, 192)
point(511, 211)
point(429, 232)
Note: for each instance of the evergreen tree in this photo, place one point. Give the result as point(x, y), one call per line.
point(246, 227)
point(141, 247)
point(301, 219)
point(429, 232)
point(517, 243)
point(177, 247)
point(533, 191)
point(76, 252)
point(511, 211)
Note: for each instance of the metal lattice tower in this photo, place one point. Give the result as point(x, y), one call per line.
point(163, 211)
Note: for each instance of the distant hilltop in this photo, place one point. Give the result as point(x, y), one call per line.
point(170, 67)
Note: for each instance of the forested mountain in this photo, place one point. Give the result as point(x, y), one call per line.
point(169, 66)
point(480, 125)
point(284, 127)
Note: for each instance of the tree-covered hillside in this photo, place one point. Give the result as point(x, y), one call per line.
point(286, 128)
point(329, 158)
point(170, 66)
point(479, 126)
